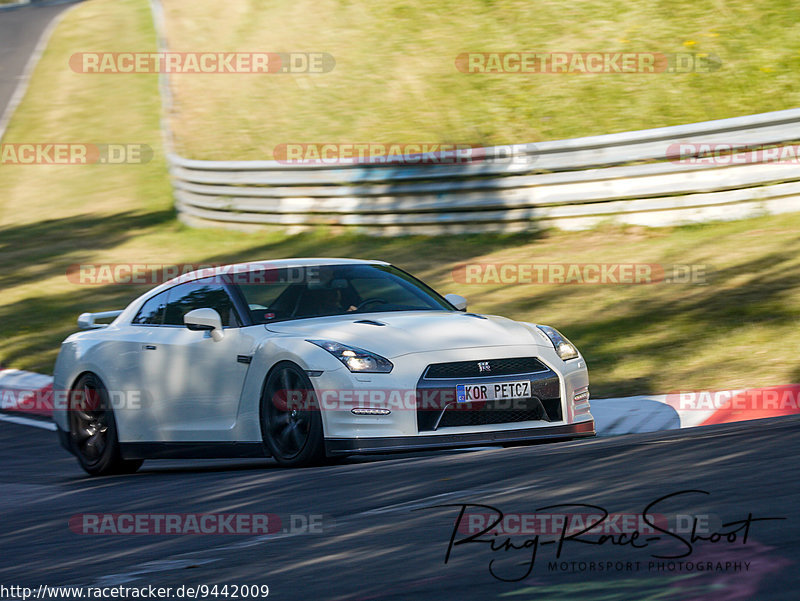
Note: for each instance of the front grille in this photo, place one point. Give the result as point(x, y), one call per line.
point(497, 367)
point(481, 414)
point(436, 394)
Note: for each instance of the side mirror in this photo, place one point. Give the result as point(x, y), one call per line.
point(205, 319)
point(459, 302)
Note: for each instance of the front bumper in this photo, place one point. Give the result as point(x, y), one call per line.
point(405, 379)
point(353, 446)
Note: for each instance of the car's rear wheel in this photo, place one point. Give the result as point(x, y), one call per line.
point(291, 424)
point(93, 430)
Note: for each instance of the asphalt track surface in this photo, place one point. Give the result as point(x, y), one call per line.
point(383, 537)
point(20, 30)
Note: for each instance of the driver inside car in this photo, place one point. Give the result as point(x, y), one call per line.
point(330, 301)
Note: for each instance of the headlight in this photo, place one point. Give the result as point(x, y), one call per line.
point(356, 359)
point(564, 348)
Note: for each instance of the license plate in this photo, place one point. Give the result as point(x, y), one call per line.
point(468, 393)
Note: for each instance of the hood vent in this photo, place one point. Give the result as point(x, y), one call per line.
point(370, 322)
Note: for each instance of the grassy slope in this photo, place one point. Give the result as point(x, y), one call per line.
point(395, 79)
point(737, 331)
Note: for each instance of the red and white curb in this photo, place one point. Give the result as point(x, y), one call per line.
point(22, 392)
point(27, 393)
point(651, 413)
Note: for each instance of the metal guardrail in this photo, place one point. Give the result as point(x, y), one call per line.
point(572, 184)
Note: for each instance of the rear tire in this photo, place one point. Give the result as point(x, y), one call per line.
point(292, 432)
point(93, 430)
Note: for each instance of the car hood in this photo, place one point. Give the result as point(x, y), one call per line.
point(406, 332)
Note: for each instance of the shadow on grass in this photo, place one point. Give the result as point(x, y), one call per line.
point(46, 248)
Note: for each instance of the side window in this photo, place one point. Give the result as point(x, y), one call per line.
point(197, 295)
point(152, 311)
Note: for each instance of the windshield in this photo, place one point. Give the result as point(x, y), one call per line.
point(323, 290)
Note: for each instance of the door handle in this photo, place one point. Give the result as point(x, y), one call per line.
point(148, 347)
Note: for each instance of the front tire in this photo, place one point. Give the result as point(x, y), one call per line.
point(93, 430)
point(292, 431)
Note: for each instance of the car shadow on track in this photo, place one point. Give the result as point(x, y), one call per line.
point(191, 466)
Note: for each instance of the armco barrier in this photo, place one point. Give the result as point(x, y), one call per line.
point(571, 184)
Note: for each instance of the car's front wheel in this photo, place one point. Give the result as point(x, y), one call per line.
point(291, 424)
point(93, 430)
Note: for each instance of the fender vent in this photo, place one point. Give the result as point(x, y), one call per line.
point(370, 322)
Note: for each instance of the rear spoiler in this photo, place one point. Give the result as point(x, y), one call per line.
point(86, 320)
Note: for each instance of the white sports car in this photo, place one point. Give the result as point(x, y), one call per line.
point(307, 358)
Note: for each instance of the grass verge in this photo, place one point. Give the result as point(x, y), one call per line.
point(395, 78)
